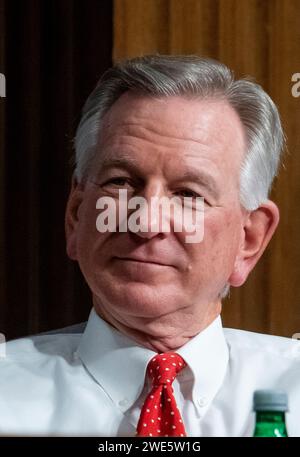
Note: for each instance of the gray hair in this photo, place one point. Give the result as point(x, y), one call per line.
point(191, 76)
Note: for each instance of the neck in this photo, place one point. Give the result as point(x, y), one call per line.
point(165, 333)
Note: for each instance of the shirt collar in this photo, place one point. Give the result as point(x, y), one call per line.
point(116, 362)
point(207, 357)
point(119, 364)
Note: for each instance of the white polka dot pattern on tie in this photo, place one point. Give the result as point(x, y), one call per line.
point(160, 406)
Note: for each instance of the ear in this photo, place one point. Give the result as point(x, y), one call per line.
point(258, 229)
point(72, 219)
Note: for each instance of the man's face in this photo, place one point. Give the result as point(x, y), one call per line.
point(163, 147)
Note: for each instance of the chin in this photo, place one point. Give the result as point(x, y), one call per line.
point(140, 299)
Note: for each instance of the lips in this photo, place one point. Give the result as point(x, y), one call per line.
point(150, 260)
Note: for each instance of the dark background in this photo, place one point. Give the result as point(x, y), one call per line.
point(52, 54)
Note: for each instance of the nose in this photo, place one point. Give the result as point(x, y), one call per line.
point(150, 217)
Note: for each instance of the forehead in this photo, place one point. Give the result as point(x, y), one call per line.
point(206, 132)
point(174, 117)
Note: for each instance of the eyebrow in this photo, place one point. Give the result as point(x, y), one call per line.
point(127, 162)
point(131, 164)
point(203, 179)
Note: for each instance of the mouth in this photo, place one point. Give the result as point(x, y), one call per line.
point(144, 261)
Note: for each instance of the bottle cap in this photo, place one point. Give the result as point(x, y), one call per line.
point(270, 400)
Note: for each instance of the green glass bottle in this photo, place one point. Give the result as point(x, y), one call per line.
point(270, 407)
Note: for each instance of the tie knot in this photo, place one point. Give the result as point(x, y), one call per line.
point(163, 368)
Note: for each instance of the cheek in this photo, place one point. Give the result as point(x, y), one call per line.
point(217, 252)
point(89, 239)
point(223, 239)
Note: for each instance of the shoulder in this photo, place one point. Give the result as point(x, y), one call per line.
point(43, 347)
point(33, 372)
point(258, 344)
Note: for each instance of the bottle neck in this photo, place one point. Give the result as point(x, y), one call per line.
point(270, 416)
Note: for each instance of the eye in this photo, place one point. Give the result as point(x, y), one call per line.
point(118, 181)
point(191, 194)
point(187, 193)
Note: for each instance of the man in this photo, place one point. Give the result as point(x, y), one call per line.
point(154, 127)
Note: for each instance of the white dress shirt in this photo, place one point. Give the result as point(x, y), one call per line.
point(92, 382)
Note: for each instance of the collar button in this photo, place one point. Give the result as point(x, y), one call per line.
point(123, 402)
point(202, 401)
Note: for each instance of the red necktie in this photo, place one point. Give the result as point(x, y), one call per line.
point(160, 415)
